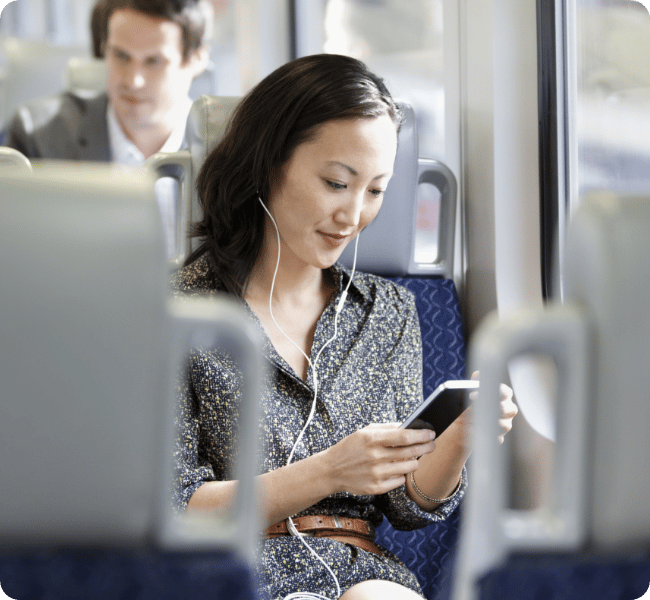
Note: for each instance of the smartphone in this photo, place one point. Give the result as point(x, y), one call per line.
point(442, 407)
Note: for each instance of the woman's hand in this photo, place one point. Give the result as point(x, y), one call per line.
point(373, 460)
point(459, 429)
point(509, 411)
point(376, 459)
point(508, 408)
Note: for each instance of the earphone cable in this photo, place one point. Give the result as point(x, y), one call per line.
point(312, 365)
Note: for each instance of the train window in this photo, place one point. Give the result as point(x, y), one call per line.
point(612, 97)
point(603, 88)
point(401, 41)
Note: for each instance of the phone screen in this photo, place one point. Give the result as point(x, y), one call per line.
point(442, 407)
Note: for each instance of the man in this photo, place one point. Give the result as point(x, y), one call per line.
point(153, 51)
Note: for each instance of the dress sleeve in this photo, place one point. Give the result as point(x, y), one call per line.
point(207, 400)
point(406, 361)
point(190, 471)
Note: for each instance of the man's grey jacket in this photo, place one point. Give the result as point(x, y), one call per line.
point(68, 126)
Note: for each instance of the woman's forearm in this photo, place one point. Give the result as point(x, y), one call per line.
point(284, 492)
point(371, 461)
point(439, 472)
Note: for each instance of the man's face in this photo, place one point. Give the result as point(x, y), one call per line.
point(147, 78)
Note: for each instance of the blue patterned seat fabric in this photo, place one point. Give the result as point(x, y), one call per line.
point(562, 576)
point(125, 575)
point(430, 552)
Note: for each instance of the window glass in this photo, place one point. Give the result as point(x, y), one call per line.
point(611, 124)
point(223, 50)
point(401, 41)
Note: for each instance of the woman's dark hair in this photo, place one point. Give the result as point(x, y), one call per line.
point(193, 16)
point(283, 111)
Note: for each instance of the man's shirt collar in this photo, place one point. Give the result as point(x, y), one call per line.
point(125, 152)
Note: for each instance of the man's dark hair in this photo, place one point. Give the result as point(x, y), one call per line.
point(281, 112)
point(193, 16)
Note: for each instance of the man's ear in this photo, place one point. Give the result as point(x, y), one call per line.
point(199, 60)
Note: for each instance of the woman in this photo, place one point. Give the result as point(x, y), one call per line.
point(300, 172)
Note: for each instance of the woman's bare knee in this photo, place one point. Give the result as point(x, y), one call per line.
point(376, 589)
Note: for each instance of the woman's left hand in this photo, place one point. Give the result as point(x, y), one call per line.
point(509, 409)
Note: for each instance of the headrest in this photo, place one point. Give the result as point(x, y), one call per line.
point(206, 125)
point(387, 245)
point(86, 73)
point(81, 297)
point(32, 69)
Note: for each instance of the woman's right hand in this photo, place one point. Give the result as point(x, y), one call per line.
point(376, 459)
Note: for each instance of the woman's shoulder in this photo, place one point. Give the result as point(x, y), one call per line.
point(197, 278)
point(381, 290)
point(379, 285)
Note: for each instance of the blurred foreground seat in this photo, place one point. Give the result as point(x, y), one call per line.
point(591, 538)
point(91, 349)
point(12, 159)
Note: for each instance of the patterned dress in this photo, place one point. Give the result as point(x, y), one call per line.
point(371, 373)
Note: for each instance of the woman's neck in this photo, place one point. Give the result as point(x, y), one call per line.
point(295, 280)
point(299, 298)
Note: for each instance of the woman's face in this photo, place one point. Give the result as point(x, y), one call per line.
point(331, 188)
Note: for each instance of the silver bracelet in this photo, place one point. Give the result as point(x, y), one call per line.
point(435, 500)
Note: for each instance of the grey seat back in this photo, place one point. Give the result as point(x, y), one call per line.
point(88, 73)
point(92, 348)
point(388, 245)
point(599, 340)
point(206, 124)
point(33, 69)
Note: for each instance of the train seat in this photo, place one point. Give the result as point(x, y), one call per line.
point(86, 73)
point(91, 350)
point(386, 247)
point(205, 127)
point(590, 537)
point(33, 69)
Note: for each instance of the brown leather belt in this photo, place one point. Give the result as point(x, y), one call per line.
point(357, 532)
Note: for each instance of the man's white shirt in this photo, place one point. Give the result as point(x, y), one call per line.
point(124, 152)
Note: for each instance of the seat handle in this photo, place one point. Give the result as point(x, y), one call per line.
point(493, 530)
point(177, 165)
point(9, 157)
point(435, 173)
point(216, 323)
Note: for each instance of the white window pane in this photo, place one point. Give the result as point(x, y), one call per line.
point(403, 43)
point(612, 120)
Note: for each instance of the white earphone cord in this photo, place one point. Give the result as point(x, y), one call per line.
point(312, 365)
